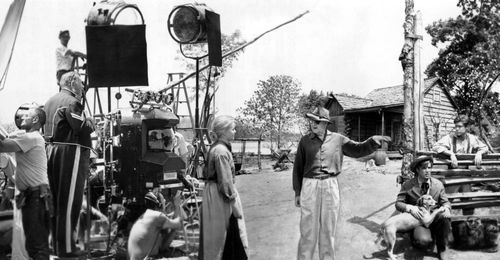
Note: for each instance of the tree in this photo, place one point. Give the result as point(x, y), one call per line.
point(245, 128)
point(469, 60)
point(210, 77)
point(273, 106)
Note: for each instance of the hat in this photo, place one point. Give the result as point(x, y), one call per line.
point(420, 160)
point(62, 32)
point(151, 197)
point(320, 114)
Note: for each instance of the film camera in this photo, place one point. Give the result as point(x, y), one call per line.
point(137, 147)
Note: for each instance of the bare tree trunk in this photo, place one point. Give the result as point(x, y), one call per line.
point(483, 136)
point(407, 61)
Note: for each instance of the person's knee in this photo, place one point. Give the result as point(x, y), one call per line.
point(422, 237)
point(424, 243)
point(441, 222)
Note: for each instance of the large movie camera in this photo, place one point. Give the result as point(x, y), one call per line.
point(136, 148)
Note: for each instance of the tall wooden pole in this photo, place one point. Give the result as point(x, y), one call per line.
point(418, 86)
point(407, 59)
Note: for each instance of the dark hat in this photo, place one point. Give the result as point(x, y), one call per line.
point(152, 197)
point(320, 114)
point(419, 160)
point(63, 32)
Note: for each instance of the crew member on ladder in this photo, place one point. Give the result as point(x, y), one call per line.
point(67, 132)
point(65, 56)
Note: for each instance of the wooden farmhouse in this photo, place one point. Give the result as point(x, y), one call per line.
point(381, 113)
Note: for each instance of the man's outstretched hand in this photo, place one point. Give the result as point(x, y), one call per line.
point(297, 201)
point(379, 139)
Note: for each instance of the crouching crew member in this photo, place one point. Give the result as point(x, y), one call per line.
point(68, 135)
point(31, 180)
point(153, 231)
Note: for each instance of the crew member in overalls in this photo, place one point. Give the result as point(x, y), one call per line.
point(31, 180)
point(68, 135)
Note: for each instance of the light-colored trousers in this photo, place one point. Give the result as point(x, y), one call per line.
point(319, 208)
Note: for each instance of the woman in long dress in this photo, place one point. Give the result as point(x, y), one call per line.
point(223, 232)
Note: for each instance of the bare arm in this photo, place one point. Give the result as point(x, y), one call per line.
point(76, 54)
point(9, 146)
point(178, 212)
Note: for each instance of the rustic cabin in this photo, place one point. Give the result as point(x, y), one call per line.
point(381, 113)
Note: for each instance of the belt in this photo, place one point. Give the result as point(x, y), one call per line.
point(321, 177)
point(37, 188)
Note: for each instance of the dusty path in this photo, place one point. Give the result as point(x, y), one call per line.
point(273, 221)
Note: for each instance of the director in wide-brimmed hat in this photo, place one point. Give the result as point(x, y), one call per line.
point(320, 114)
point(317, 163)
point(424, 184)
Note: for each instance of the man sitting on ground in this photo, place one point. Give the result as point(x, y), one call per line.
point(152, 232)
point(411, 191)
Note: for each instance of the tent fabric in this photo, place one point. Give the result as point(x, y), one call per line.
point(8, 36)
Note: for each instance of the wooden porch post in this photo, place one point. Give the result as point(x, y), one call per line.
point(359, 128)
point(418, 82)
point(383, 122)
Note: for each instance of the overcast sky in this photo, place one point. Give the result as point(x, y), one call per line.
point(340, 46)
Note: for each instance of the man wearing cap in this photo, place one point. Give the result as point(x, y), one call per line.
point(67, 132)
point(152, 233)
point(65, 56)
point(411, 191)
point(317, 163)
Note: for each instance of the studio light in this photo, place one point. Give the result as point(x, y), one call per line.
point(187, 23)
point(197, 23)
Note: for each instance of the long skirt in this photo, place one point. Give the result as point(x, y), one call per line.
point(217, 233)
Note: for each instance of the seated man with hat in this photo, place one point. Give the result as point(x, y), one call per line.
point(411, 191)
point(152, 233)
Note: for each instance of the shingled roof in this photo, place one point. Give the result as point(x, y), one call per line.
point(352, 102)
point(394, 95)
point(381, 97)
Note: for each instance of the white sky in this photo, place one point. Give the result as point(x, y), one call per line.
point(340, 46)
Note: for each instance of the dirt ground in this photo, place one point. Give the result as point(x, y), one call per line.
point(367, 198)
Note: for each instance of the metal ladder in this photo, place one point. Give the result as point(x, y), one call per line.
point(178, 101)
